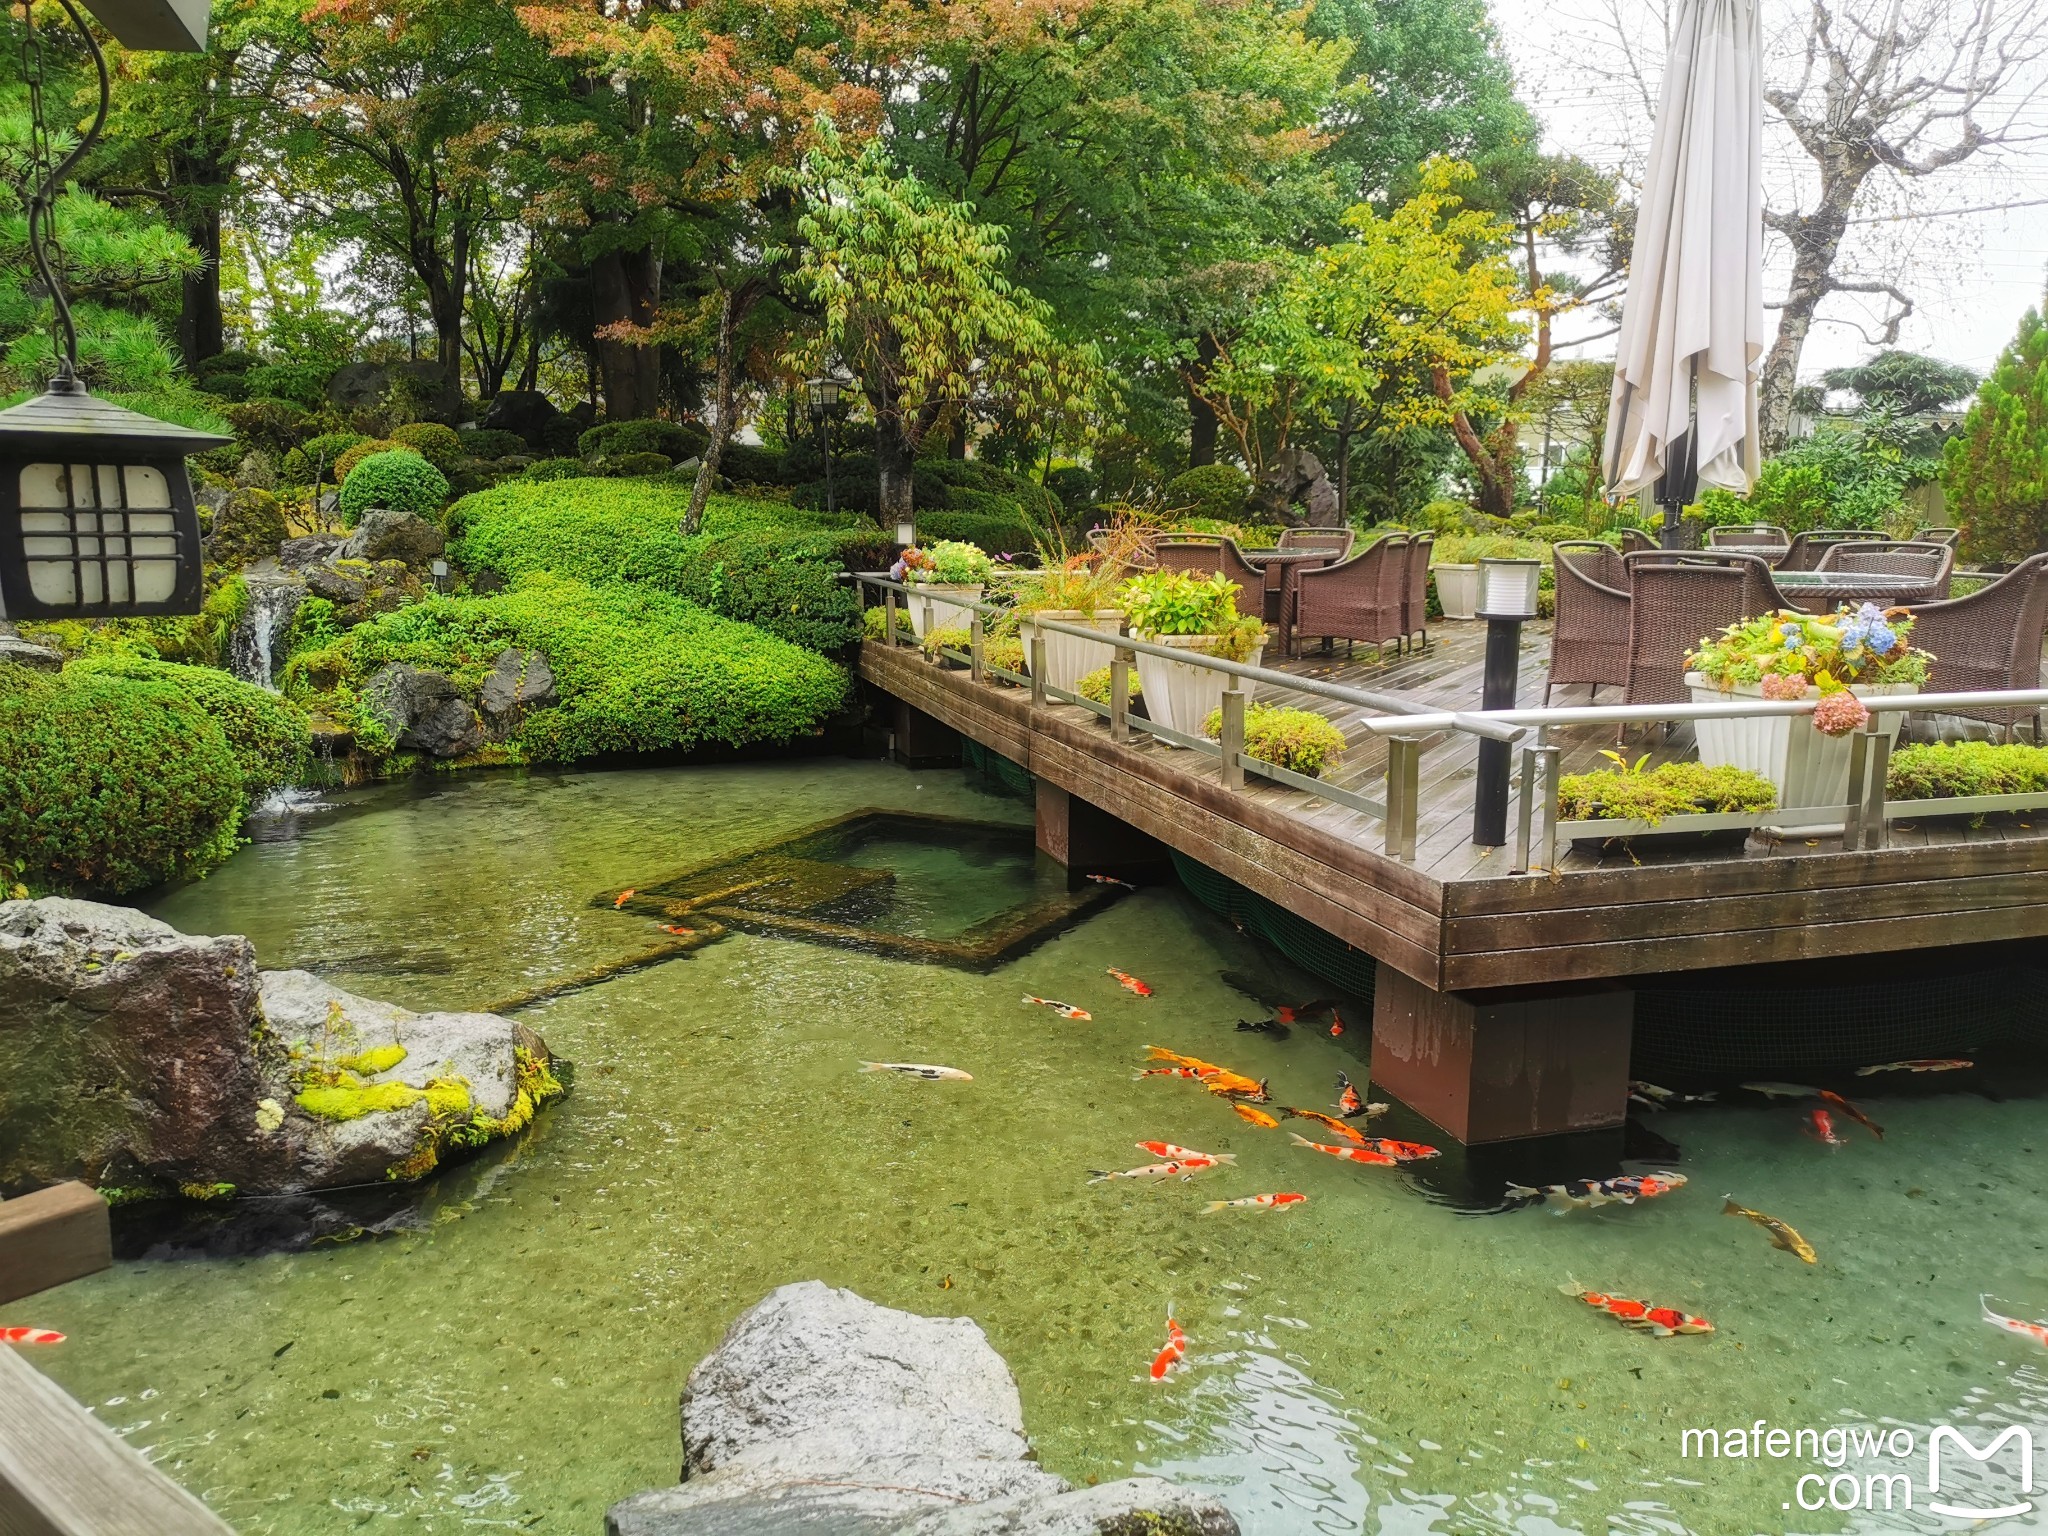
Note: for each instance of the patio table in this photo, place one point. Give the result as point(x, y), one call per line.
point(1827, 588)
point(1279, 566)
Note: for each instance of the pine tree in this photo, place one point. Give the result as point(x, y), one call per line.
point(1996, 469)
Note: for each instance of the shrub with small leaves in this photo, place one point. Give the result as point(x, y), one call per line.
point(1094, 686)
point(1211, 490)
point(555, 469)
point(631, 465)
point(349, 458)
point(1299, 740)
point(1956, 769)
point(673, 440)
point(1627, 793)
point(439, 445)
point(399, 481)
point(265, 731)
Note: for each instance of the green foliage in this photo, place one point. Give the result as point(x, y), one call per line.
point(554, 469)
point(767, 564)
point(1183, 603)
point(490, 443)
point(1670, 789)
point(197, 639)
point(1094, 686)
point(265, 732)
point(109, 786)
point(673, 440)
point(1296, 739)
point(746, 464)
point(1852, 477)
point(318, 454)
point(304, 384)
point(272, 425)
point(398, 482)
point(1072, 485)
point(633, 465)
point(249, 526)
point(1904, 383)
point(638, 670)
point(947, 561)
point(349, 458)
point(1996, 468)
point(994, 534)
point(1956, 769)
point(975, 485)
point(1213, 490)
point(1788, 652)
point(440, 446)
point(874, 621)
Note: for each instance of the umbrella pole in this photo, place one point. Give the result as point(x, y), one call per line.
point(1679, 486)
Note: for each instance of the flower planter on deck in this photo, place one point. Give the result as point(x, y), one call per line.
point(1069, 658)
point(1181, 695)
point(926, 615)
point(1808, 767)
point(1457, 590)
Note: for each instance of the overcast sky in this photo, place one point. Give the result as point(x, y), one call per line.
point(1971, 274)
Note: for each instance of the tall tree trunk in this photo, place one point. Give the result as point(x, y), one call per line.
point(1347, 424)
point(626, 286)
point(956, 439)
point(1202, 424)
point(895, 458)
point(1816, 240)
point(201, 327)
point(721, 425)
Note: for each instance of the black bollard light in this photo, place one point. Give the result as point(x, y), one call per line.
point(823, 396)
point(1507, 601)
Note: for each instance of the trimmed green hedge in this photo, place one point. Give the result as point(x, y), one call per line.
point(1212, 490)
point(638, 670)
point(761, 562)
point(266, 733)
point(400, 481)
point(673, 440)
point(109, 785)
point(1957, 769)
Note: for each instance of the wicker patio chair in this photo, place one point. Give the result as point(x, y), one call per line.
point(1589, 641)
point(1990, 639)
point(1949, 536)
point(1897, 557)
point(1807, 548)
point(1355, 599)
point(1635, 541)
point(1762, 538)
point(1207, 556)
point(1675, 600)
point(1415, 594)
point(1338, 540)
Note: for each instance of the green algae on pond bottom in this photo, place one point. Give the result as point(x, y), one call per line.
point(1370, 1361)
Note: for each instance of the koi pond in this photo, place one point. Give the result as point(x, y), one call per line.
point(505, 1350)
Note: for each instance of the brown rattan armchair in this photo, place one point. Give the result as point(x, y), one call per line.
point(1589, 642)
point(1337, 540)
point(1353, 600)
point(1415, 594)
point(1896, 557)
point(1808, 548)
point(1766, 539)
point(1635, 541)
point(1206, 556)
point(1990, 639)
point(1675, 600)
point(1949, 536)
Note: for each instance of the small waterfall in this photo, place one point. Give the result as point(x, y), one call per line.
point(272, 602)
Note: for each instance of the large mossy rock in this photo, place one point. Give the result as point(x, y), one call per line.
point(385, 535)
point(423, 710)
point(148, 1061)
point(823, 1412)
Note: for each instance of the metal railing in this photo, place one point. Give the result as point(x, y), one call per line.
point(1863, 819)
point(1396, 809)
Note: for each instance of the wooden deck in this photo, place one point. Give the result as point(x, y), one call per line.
point(1457, 918)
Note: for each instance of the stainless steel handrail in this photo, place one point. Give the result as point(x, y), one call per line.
point(1737, 709)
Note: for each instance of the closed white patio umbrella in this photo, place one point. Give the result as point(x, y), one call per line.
point(1692, 337)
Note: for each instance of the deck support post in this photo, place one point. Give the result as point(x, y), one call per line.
point(889, 617)
point(1120, 694)
point(1503, 1065)
point(1087, 840)
point(921, 741)
point(974, 662)
point(1037, 668)
point(1231, 737)
point(1404, 759)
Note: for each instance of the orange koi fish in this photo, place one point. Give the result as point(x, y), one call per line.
point(676, 928)
point(1853, 1113)
point(2038, 1332)
point(30, 1336)
point(624, 897)
point(1820, 1125)
point(1064, 1010)
point(1168, 1150)
point(1660, 1321)
point(1256, 1202)
point(1336, 1025)
point(1256, 1117)
point(1330, 1122)
point(1401, 1151)
point(1200, 1067)
point(1943, 1064)
point(1350, 1102)
point(1229, 1085)
point(1300, 1013)
point(1349, 1154)
point(1112, 880)
point(1188, 1072)
point(1186, 1167)
point(1130, 983)
point(1175, 1352)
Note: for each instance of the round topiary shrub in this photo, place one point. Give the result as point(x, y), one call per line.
point(674, 440)
point(628, 464)
point(440, 446)
point(1213, 490)
point(400, 481)
point(266, 732)
point(109, 786)
point(351, 457)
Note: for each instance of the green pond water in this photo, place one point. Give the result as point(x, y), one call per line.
point(1383, 1359)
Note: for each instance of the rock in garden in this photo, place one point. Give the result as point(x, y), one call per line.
point(354, 385)
point(423, 710)
point(340, 587)
point(308, 550)
point(248, 526)
point(145, 1060)
point(823, 1412)
point(405, 536)
point(520, 681)
point(26, 653)
point(525, 411)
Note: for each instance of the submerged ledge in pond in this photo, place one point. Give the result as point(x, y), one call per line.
point(938, 889)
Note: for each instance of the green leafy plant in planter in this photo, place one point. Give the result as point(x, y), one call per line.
point(1627, 793)
point(1958, 769)
point(874, 622)
point(1296, 739)
point(948, 562)
point(952, 638)
point(1005, 651)
point(1787, 652)
point(1095, 686)
point(1183, 603)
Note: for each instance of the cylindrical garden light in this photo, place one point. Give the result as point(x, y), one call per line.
point(1507, 601)
point(822, 394)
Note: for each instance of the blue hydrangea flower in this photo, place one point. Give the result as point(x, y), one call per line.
point(1794, 641)
point(1882, 638)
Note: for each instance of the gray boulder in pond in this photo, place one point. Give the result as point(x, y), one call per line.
point(423, 710)
point(386, 535)
point(519, 681)
point(823, 1412)
point(139, 1058)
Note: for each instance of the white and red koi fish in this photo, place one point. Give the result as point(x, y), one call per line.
point(1820, 1125)
point(2038, 1332)
point(1349, 1154)
point(1933, 1064)
point(1175, 1352)
point(1130, 983)
point(1168, 1150)
point(1351, 1103)
point(1589, 1194)
point(1853, 1113)
point(30, 1336)
point(1064, 1010)
point(1279, 1202)
point(1112, 880)
point(919, 1069)
point(1185, 1167)
point(1661, 1321)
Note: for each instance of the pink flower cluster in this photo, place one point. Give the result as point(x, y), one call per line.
point(1840, 713)
point(1779, 685)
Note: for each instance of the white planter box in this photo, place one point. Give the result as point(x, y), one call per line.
point(1181, 695)
point(1069, 658)
point(926, 615)
point(1457, 590)
point(1808, 767)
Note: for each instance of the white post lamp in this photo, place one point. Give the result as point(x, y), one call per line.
point(1507, 600)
